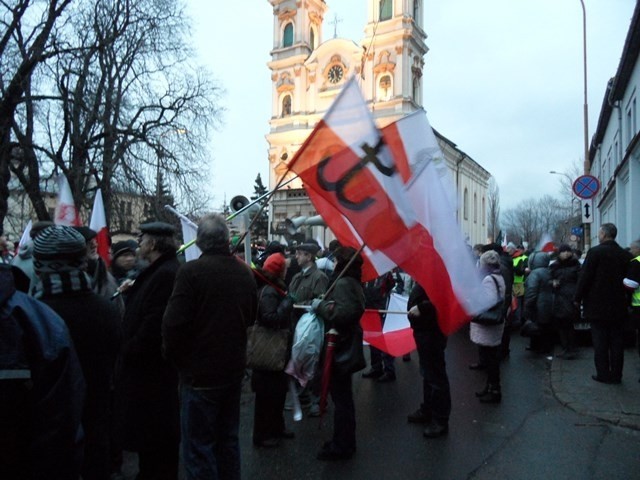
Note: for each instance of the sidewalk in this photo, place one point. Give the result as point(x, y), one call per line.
point(617, 404)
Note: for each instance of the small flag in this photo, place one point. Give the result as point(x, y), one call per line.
point(98, 223)
point(66, 211)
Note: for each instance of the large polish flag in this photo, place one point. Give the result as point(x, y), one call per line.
point(387, 191)
point(66, 212)
point(98, 223)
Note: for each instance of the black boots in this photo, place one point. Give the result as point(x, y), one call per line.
point(490, 394)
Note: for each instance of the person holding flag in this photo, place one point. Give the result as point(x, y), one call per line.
point(341, 310)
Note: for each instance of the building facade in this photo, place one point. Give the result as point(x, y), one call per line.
point(308, 72)
point(614, 153)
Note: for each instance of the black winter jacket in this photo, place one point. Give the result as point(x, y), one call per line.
point(600, 285)
point(205, 326)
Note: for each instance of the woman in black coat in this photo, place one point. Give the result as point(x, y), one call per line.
point(564, 279)
point(274, 311)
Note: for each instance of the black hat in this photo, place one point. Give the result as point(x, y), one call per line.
point(160, 229)
point(122, 247)
point(565, 248)
point(59, 242)
point(311, 248)
point(86, 232)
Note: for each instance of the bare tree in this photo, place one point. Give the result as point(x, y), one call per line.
point(533, 218)
point(24, 45)
point(122, 108)
point(493, 210)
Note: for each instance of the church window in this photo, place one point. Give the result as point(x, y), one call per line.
point(312, 39)
point(286, 105)
point(385, 88)
point(465, 205)
point(287, 37)
point(475, 208)
point(385, 9)
point(484, 211)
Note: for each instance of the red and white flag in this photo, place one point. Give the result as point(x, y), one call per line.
point(66, 212)
point(98, 223)
point(391, 196)
point(545, 244)
point(396, 337)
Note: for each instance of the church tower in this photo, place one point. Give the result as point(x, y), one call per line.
point(297, 32)
point(395, 49)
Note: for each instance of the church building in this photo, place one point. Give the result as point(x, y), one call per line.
point(307, 73)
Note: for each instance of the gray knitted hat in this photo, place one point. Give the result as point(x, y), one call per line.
point(59, 242)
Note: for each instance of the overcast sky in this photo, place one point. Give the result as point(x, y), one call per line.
point(503, 80)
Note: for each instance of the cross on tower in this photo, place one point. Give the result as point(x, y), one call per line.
point(335, 22)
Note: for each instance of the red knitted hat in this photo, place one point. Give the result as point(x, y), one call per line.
point(275, 264)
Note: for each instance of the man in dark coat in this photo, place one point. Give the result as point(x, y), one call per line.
point(60, 256)
point(148, 384)
point(204, 333)
point(431, 343)
point(602, 293)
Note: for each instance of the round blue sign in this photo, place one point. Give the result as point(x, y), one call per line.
point(586, 186)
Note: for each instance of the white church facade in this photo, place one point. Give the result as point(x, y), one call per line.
point(308, 72)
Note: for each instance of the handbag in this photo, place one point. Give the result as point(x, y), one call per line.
point(348, 356)
point(494, 315)
point(267, 347)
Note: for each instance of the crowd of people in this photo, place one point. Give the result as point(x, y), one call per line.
point(148, 353)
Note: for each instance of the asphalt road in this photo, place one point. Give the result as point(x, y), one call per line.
point(530, 435)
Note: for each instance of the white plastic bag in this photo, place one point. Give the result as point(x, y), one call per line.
point(307, 347)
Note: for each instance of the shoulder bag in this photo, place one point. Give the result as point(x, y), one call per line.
point(494, 315)
point(267, 347)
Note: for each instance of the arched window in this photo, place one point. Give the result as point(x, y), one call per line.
point(385, 88)
point(484, 211)
point(286, 105)
point(465, 205)
point(312, 39)
point(386, 9)
point(475, 208)
point(287, 36)
point(416, 9)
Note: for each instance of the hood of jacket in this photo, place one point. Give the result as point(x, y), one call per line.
point(538, 260)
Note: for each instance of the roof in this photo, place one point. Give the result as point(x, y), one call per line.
point(618, 84)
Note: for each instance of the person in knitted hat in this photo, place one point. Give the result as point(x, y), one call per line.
point(60, 256)
point(274, 311)
point(276, 265)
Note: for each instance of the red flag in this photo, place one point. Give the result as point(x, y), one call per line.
point(98, 223)
point(391, 193)
point(66, 211)
point(396, 338)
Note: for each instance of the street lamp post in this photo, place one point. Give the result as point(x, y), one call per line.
point(587, 163)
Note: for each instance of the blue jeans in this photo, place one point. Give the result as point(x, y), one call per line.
point(210, 419)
